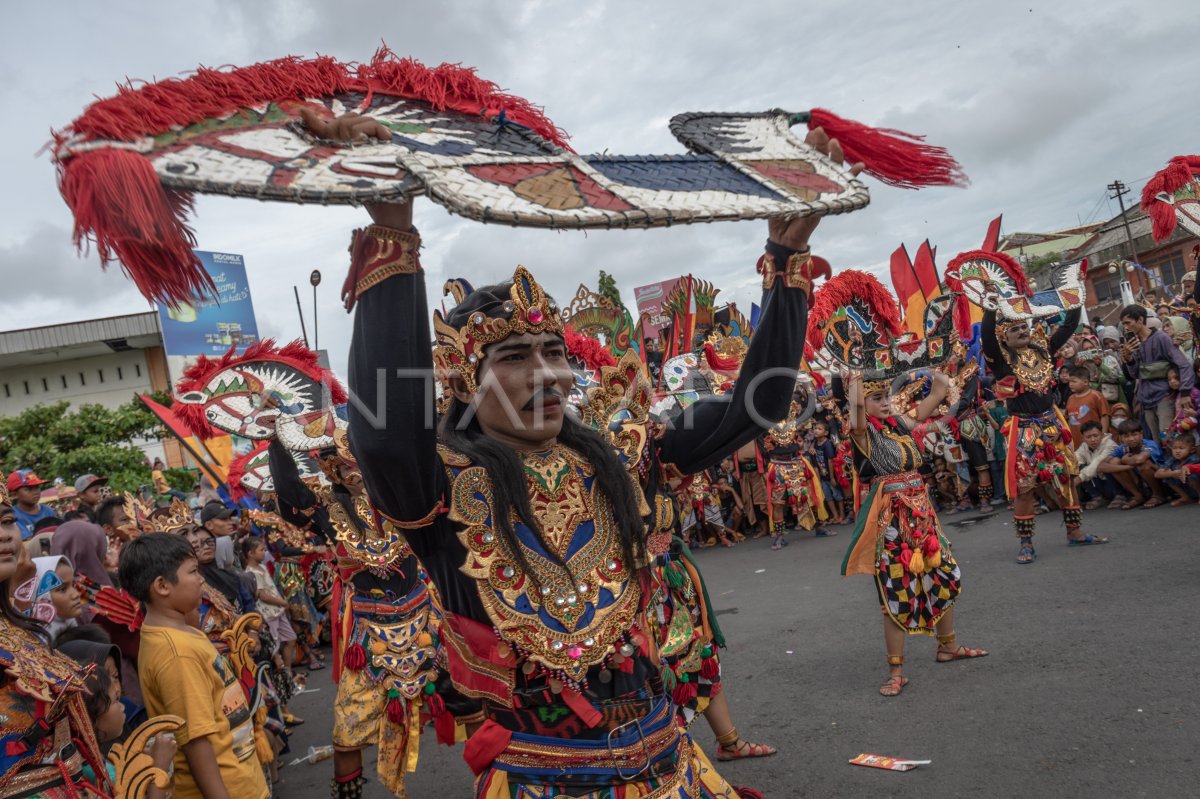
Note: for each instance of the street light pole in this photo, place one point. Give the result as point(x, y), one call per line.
point(315, 279)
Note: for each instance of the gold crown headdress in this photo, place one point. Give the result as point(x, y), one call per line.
point(149, 519)
point(528, 310)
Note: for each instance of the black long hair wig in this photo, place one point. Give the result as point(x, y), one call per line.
point(460, 431)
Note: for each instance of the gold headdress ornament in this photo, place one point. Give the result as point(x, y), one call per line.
point(528, 310)
point(149, 519)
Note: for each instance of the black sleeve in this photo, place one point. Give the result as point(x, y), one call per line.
point(292, 492)
point(716, 426)
point(991, 346)
point(392, 420)
point(1064, 332)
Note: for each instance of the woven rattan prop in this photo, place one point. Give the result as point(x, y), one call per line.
point(996, 281)
point(129, 164)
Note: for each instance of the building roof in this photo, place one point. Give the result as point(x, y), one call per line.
point(90, 337)
point(1033, 245)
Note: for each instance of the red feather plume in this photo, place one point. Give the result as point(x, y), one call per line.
point(841, 289)
point(893, 156)
point(591, 352)
point(1178, 172)
point(962, 306)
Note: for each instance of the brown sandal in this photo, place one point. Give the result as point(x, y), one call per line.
point(730, 746)
point(946, 647)
point(895, 683)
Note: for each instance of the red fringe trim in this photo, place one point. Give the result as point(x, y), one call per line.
point(120, 206)
point(584, 348)
point(119, 203)
point(237, 470)
point(1003, 261)
point(851, 284)
point(893, 156)
point(1178, 172)
point(154, 108)
point(293, 354)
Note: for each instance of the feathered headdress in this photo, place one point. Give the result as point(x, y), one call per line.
point(857, 320)
point(1173, 196)
point(996, 280)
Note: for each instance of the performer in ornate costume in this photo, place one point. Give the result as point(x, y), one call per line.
point(530, 525)
point(46, 736)
point(792, 481)
point(897, 535)
point(531, 528)
point(1021, 359)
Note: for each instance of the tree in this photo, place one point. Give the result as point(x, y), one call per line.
point(57, 442)
point(607, 288)
point(1041, 263)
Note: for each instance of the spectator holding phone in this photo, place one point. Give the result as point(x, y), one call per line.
point(1148, 355)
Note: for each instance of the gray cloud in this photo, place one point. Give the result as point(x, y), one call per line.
point(1043, 105)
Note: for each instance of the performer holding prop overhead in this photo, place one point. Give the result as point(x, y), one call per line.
point(1021, 359)
point(532, 526)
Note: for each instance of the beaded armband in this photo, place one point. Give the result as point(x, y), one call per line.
point(377, 253)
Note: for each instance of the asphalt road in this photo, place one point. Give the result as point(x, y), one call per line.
point(1090, 688)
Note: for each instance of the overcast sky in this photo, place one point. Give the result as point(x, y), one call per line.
point(1043, 105)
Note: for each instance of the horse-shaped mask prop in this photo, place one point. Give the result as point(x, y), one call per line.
point(266, 392)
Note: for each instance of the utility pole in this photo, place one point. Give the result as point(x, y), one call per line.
point(1119, 190)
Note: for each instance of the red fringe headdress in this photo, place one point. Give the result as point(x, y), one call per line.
point(293, 354)
point(1180, 170)
point(840, 290)
point(120, 204)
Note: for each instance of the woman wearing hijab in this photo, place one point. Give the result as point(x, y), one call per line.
point(1181, 333)
point(86, 545)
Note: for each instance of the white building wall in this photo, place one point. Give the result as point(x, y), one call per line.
point(110, 380)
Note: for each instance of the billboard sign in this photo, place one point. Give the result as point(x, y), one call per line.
point(649, 300)
point(210, 325)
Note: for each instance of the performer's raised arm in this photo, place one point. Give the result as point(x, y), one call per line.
point(1067, 329)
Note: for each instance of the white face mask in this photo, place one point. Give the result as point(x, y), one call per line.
point(1116, 421)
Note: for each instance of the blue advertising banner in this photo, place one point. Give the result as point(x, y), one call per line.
point(210, 325)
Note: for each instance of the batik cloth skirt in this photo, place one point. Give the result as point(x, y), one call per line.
point(1039, 453)
point(898, 538)
point(649, 759)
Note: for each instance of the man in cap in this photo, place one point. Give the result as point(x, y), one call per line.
point(25, 487)
point(218, 519)
point(91, 490)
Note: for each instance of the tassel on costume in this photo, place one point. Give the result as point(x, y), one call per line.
point(395, 710)
point(356, 657)
point(685, 691)
point(710, 669)
point(892, 156)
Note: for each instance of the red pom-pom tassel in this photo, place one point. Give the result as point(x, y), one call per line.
point(710, 669)
point(356, 657)
point(395, 711)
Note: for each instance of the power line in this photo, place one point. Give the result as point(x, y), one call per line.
point(1119, 190)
